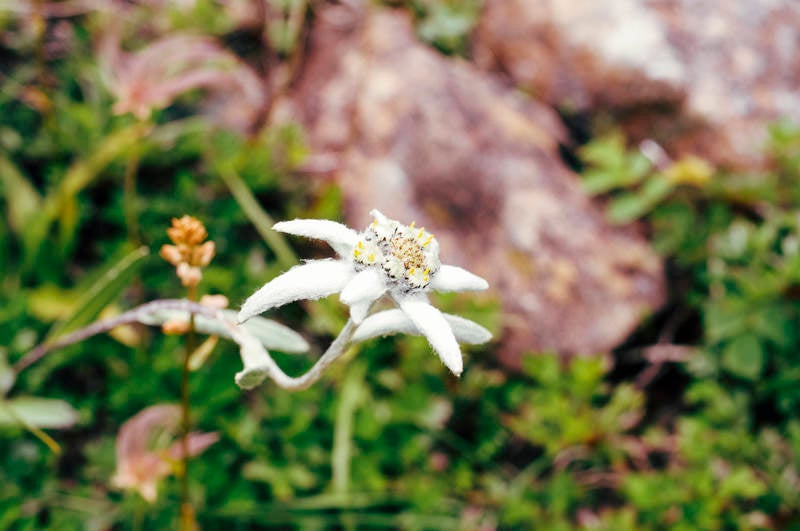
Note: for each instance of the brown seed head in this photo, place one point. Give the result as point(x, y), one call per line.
point(171, 254)
point(187, 230)
point(202, 254)
point(189, 253)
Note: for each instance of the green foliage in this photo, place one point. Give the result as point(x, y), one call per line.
point(446, 24)
point(734, 239)
point(574, 408)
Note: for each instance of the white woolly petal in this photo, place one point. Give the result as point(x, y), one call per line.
point(313, 280)
point(452, 278)
point(396, 322)
point(375, 213)
point(362, 291)
point(432, 324)
point(385, 323)
point(340, 237)
point(467, 331)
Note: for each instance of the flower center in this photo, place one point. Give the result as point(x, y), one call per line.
point(407, 251)
point(408, 256)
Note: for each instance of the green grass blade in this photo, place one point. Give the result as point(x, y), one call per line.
point(22, 199)
point(115, 277)
point(260, 219)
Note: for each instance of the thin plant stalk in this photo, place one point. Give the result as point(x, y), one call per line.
point(187, 514)
point(335, 351)
point(349, 401)
point(141, 313)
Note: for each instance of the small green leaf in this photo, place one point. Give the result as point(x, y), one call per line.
point(606, 152)
point(638, 167)
point(38, 412)
point(742, 482)
point(725, 318)
point(773, 322)
point(744, 357)
point(633, 205)
point(627, 207)
point(543, 368)
point(656, 189)
point(597, 181)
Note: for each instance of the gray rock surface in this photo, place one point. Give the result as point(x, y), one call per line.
point(429, 138)
point(700, 76)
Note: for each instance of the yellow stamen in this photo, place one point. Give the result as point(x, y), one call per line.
point(421, 232)
point(356, 252)
point(412, 224)
point(426, 272)
point(360, 245)
point(371, 257)
point(375, 223)
point(428, 240)
point(411, 271)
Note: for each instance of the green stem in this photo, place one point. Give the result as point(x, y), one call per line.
point(187, 514)
point(349, 400)
point(138, 516)
point(262, 221)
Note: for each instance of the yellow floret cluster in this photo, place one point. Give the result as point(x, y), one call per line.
point(407, 255)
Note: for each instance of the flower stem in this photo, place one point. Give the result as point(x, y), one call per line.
point(143, 314)
point(350, 399)
point(335, 351)
point(136, 315)
point(187, 514)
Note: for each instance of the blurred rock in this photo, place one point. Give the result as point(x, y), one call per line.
point(698, 76)
point(426, 138)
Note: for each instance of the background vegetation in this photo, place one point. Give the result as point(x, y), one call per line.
point(701, 436)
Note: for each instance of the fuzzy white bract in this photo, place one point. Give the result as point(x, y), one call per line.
point(387, 257)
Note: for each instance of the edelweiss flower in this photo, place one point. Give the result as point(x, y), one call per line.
point(387, 257)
